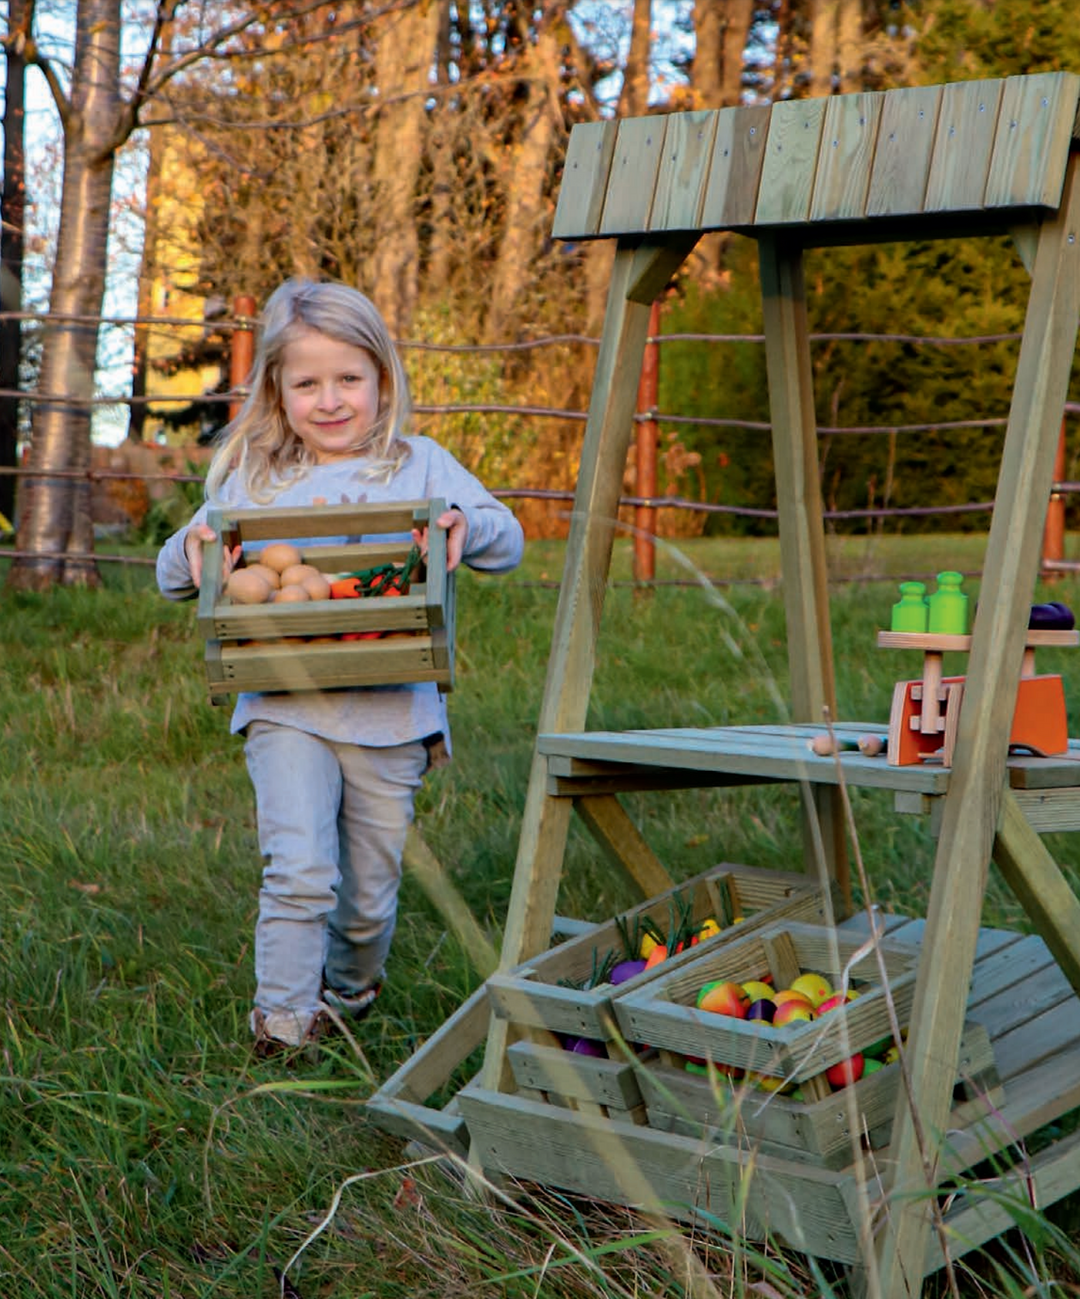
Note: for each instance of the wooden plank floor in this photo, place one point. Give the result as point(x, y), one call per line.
point(1022, 998)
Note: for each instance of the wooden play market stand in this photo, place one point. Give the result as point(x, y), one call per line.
point(967, 159)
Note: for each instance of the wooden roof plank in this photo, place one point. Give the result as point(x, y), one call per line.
point(963, 146)
point(639, 147)
point(791, 153)
point(1035, 131)
point(735, 170)
point(684, 171)
point(848, 142)
point(905, 144)
point(584, 180)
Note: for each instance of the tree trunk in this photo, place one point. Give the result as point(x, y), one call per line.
point(527, 217)
point(55, 523)
point(634, 96)
point(406, 49)
point(13, 210)
point(708, 67)
point(849, 46)
point(823, 52)
point(740, 16)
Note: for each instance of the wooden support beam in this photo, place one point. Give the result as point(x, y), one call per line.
point(802, 531)
point(1038, 883)
point(976, 789)
point(622, 841)
point(545, 820)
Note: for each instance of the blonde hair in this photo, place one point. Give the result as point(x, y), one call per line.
point(258, 445)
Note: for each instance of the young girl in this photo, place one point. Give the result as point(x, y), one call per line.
point(334, 772)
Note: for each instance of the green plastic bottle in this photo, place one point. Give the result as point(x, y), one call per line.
point(910, 612)
point(948, 606)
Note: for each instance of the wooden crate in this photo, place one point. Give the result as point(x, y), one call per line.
point(663, 1013)
point(827, 1131)
point(297, 647)
point(540, 993)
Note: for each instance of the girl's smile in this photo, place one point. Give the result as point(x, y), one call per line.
point(330, 394)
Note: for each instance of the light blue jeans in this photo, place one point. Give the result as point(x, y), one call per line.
point(332, 821)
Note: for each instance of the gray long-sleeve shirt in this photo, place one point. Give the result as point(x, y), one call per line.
point(380, 715)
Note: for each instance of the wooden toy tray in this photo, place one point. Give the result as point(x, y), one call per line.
point(303, 646)
point(663, 1014)
point(545, 992)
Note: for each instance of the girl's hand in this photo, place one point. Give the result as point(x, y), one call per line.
point(456, 527)
point(193, 550)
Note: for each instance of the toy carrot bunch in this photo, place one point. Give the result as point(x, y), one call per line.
point(381, 580)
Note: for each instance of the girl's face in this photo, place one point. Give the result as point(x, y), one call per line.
point(329, 393)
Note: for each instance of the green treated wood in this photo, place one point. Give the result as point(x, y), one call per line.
point(848, 141)
point(684, 172)
point(584, 183)
point(802, 534)
point(967, 127)
point(608, 823)
point(1038, 883)
point(904, 147)
point(977, 783)
point(610, 1083)
point(738, 154)
point(1035, 130)
point(639, 147)
point(545, 820)
point(790, 163)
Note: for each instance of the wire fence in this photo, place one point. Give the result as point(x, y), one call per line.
point(232, 390)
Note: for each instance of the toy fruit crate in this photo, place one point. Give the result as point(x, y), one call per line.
point(564, 990)
point(663, 1014)
point(739, 1113)
point(322, 644)
point(588, 1083)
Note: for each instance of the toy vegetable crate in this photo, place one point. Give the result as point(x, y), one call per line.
point(568, 990)
point(663, 1014)
point(391, 637)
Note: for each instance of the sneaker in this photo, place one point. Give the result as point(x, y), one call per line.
point(281, 1032)
point(351, 1005)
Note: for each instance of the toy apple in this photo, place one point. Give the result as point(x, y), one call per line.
point(845, 1072)
point(791, 994)
point(813, 986)
point(793, 1012)
point(724, 998)
point(756, 989)
point(837, 999)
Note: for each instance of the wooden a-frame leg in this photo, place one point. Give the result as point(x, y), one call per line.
point(977, 782)
point(639, 274)
point(1035, 878)
point(623, 842)
point(802, 533)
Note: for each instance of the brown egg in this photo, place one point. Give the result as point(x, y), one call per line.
point(294, 575)
point(269, 575)
point(317, 586)
point(246, 586)
point(290, 595)
point(280, 555)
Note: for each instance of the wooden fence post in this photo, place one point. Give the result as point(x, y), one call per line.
point(242, 352)
point(1054, 533)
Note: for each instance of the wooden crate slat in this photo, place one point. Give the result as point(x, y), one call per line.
point(288, 522)
point(639, 147)
point(791, 153)
point(735, 171)
point(638, 1166)
point(610, 1083)
point(848, 142)
point(963, 146)
point(904, 148)
point(1035, 130)
point(584, 180)
point(684, 171)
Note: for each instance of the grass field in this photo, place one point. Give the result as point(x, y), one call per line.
point(145, 1152)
